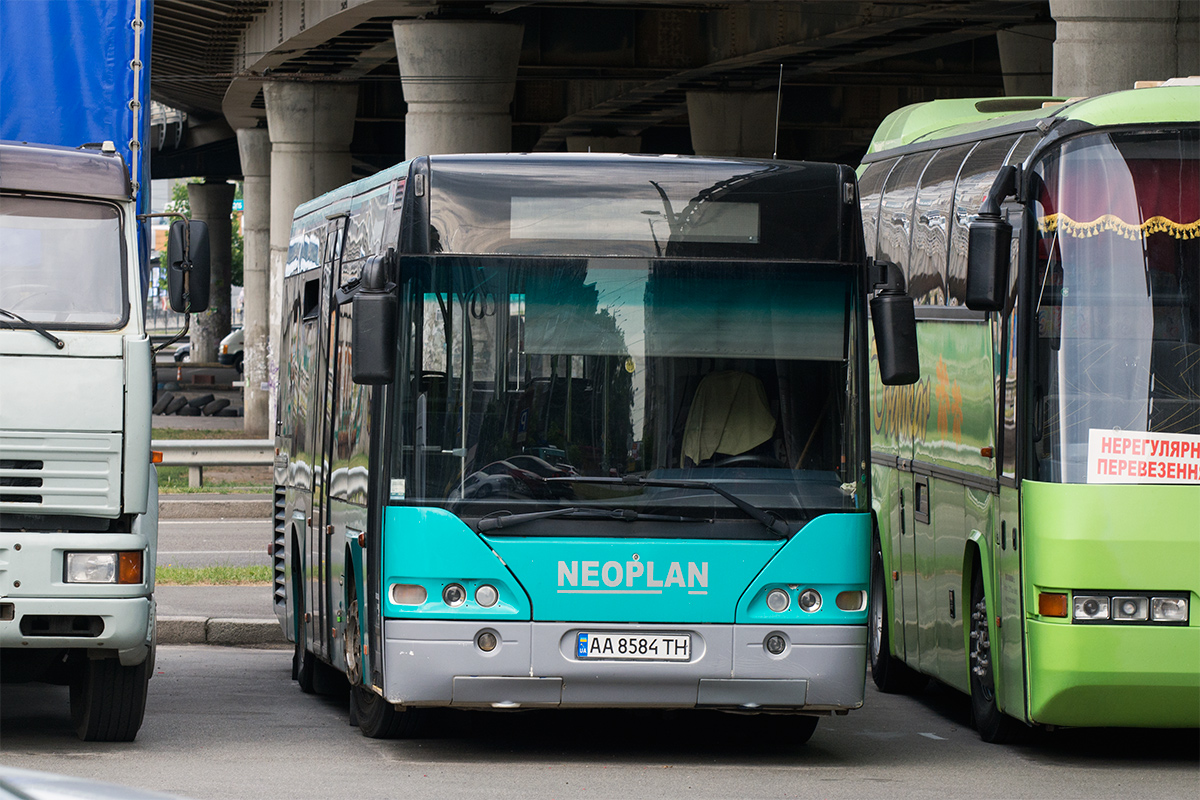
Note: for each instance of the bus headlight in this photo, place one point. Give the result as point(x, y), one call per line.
point(486, 595)
point(119, 567)
point(778, 600)
point(454, 595)
point(1089, 607)
point(1168, 609)
point(810, 600)
point(1131, 608)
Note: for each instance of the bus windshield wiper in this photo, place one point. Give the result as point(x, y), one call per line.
point(59, 343)
point(506, 520)
point(769, 520)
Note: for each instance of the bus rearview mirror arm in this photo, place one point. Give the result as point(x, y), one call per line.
point(893, 315)
point(989, 239)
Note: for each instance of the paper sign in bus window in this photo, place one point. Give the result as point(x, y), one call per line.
point(1141, 457)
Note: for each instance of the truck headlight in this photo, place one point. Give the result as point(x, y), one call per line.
point(119, 567)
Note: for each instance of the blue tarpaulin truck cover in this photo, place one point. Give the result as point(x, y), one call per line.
point(73, 72)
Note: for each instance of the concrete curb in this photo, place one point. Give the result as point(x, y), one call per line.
point(209, 630)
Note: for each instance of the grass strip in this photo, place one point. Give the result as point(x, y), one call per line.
point(213, 576)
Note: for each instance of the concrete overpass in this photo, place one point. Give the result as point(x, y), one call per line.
point(300, 96)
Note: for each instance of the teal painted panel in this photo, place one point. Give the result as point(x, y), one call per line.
point(626, 580)
point(433, 548)
point(830, 554)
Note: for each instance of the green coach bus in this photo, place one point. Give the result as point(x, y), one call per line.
point(1038, 488)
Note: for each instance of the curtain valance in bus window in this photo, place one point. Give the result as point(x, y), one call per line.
point(1099, 189)
point(711, 313)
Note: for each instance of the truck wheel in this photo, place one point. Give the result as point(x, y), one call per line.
point(379, 719)
point(108, 700)
point(993, 724)
point(890, 674)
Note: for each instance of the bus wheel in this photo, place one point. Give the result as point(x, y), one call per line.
point(993, 725)
point(379, 719)
point(890, 674)
point(802, 729)
point(353, 639)
point(108, 699)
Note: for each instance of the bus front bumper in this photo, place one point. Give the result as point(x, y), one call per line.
point(438, 663)
point(1114, 675)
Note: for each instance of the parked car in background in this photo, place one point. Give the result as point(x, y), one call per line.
point(229, 352)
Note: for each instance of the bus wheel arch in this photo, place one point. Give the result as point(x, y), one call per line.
point(353, 633)
point(993, 725)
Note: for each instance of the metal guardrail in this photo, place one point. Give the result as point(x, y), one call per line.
point(196, 454)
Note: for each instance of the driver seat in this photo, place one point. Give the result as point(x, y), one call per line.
point(729, 415)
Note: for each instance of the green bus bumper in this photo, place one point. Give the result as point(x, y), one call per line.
point(1139, 676)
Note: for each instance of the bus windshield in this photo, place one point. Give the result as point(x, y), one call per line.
point(61, 263)
point(529, 376)
point(1116, 293)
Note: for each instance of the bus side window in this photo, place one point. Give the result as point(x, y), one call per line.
point(931, 227)
point(870, 189)
point(974, 180)
point(896, 211)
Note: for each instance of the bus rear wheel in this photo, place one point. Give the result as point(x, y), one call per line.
point(379, 719)
point(890, 674)
point(993, 724)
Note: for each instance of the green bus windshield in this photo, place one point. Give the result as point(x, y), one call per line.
point(1117, 298)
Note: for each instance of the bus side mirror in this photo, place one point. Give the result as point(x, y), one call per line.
point(188, 266)
point(373, 331)
point(894, 317)
point(989, 237)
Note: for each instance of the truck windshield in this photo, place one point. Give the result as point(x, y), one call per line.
point(1117, 295)
point(62, 263)
point(527, 376)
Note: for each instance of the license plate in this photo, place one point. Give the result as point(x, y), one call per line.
point(633, 647)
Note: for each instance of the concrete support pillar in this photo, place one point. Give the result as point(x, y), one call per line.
point(310, 125)
point(254, 146)
point(459, 77)
point(1106, 45)
point(732, 123)
point(213, 203)
point(1027, 60)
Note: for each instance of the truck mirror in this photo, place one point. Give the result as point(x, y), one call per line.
point(989, 237)
point(373, 328)
point(188, 266)
point(893, 315)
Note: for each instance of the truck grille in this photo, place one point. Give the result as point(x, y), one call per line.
point(60, 473)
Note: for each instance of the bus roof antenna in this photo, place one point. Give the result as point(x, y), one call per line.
point(778, 105)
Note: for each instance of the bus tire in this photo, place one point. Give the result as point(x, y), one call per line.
point(379, 719)
point(304, 665)
point(993, 725)
point(890, 674)
point(802, 729)
point(108, 699)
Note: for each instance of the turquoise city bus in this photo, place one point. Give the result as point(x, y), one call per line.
point(579, 431)
point(1038, 488)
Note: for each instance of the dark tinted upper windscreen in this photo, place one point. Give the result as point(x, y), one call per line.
point(640, 206)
